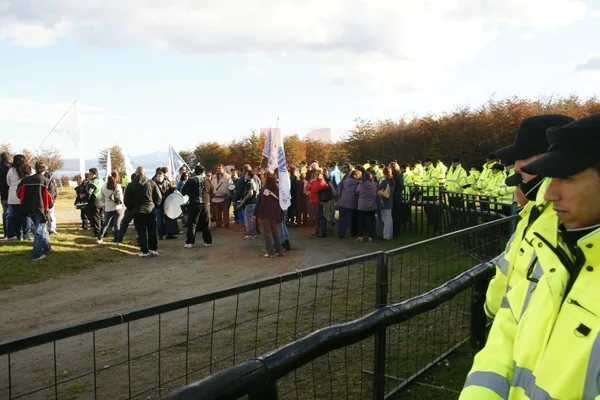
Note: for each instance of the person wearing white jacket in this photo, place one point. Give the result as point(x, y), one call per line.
point(111, 195)
point(19, 226)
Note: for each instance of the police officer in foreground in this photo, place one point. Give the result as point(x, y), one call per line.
point(511, 266)
point(550, 349)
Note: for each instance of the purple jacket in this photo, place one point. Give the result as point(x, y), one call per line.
point(367, 196)
point(347, 194)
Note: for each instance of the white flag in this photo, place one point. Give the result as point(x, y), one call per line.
point(175, 162)
point(70, 129)
point(108, 163)
point(129, 170)
point(277, 161)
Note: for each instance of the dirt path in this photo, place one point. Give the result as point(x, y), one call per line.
point(178, 273)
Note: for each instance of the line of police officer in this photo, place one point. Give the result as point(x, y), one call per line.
point(545, 296)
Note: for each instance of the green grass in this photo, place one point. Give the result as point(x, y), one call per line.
point(73, 251)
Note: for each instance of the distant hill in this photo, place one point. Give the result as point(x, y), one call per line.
point(151, 161)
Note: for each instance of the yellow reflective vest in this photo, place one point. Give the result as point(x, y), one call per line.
point(512, 265)
point(409, 184)
point(430, 182)
point(485, 175)
point(456, 178)
point(441, 170)
point(545, 340)
point(417, 173)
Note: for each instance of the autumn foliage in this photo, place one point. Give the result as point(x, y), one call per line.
point(468, 133)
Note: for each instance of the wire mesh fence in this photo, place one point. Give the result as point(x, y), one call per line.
point(148, 352)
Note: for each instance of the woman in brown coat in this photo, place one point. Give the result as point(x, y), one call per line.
point(269, 213)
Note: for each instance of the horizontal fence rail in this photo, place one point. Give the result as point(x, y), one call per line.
point(260, 374)
point(151, 351)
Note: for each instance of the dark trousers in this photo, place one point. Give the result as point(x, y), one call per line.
point(291, 212)
point(198, 220)
point(127, 218)
point(145, 225)
point(432, 213)
point(84, 219)
point(398, 216)
point(366, 224)
point(321, 220)
point(96, 217)
point(347, 219)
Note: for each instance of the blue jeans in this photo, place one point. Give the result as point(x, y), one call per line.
point(158, 215)
point(41, 239)
point(283, 230)
point(19, 226)
point(248, 213)
point(5, 218)
point(125, 221)
point(114, 218)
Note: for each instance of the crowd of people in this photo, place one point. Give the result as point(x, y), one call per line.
point(351, 200)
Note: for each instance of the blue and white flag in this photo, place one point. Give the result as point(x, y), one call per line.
point(277, 161)
point(175, 162)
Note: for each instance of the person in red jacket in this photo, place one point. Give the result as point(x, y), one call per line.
point(36, 201)
point(313, 188)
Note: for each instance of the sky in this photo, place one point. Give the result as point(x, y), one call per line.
point(148, 73)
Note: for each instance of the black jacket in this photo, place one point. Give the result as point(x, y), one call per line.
point(141, 195)
point(34, 193)
point(294, 186)
point(3, 185)
point(198, 189)
point(240, 185)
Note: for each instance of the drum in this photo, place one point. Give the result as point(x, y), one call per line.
point(81, 204)
point(231, 187)
point(173, 205)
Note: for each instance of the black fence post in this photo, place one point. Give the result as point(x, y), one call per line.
point(268, 392)
point(478, 317)
point(381, 294)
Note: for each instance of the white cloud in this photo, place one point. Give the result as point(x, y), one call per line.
point(388, 46)
point(527, 36)
point(589, 65)
point(253, 69)
point(26, 111)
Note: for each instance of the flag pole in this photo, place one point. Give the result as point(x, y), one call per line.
point(59, 121)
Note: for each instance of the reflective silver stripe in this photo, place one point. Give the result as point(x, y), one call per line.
point(502, 263)
point(525, 379)
point(490, 380)
point(592, 377)
point(488, 311)
point(505, 303)
point(538, 272)
point(510, 241)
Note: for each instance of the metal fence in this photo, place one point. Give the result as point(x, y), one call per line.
point(148, 352)
point(432, 211)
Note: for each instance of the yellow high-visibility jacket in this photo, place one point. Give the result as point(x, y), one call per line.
point(485, 175)
point(456, 178)
point(417, 174)
point(545, 340)
point(409, 184)
point(512, 265)
point(430, 182)
point(441, 170)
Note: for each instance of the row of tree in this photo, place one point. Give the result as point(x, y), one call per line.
point(50, 155)
point(467, 133)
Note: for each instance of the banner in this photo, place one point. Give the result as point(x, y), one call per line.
point(69, 128)
point(277, 161)
point(175, 162)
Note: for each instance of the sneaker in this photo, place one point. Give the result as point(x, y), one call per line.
point(188, 246)
point(207, 244)
point(50, 250)
point(153, 253)
point(253, 237)
point(171, 237)
point(99, 240)
point(12, 239)
point(144, 255)
point(39, 258)
point(248, 237)
point(116, 244)
point(267, 255)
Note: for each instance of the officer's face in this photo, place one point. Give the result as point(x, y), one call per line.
point(576, 199)
point(520, 163)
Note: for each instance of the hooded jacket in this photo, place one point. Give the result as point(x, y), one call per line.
point(34, 194)
point(141, 195)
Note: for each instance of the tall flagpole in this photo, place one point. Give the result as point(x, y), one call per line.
point(59, 121)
